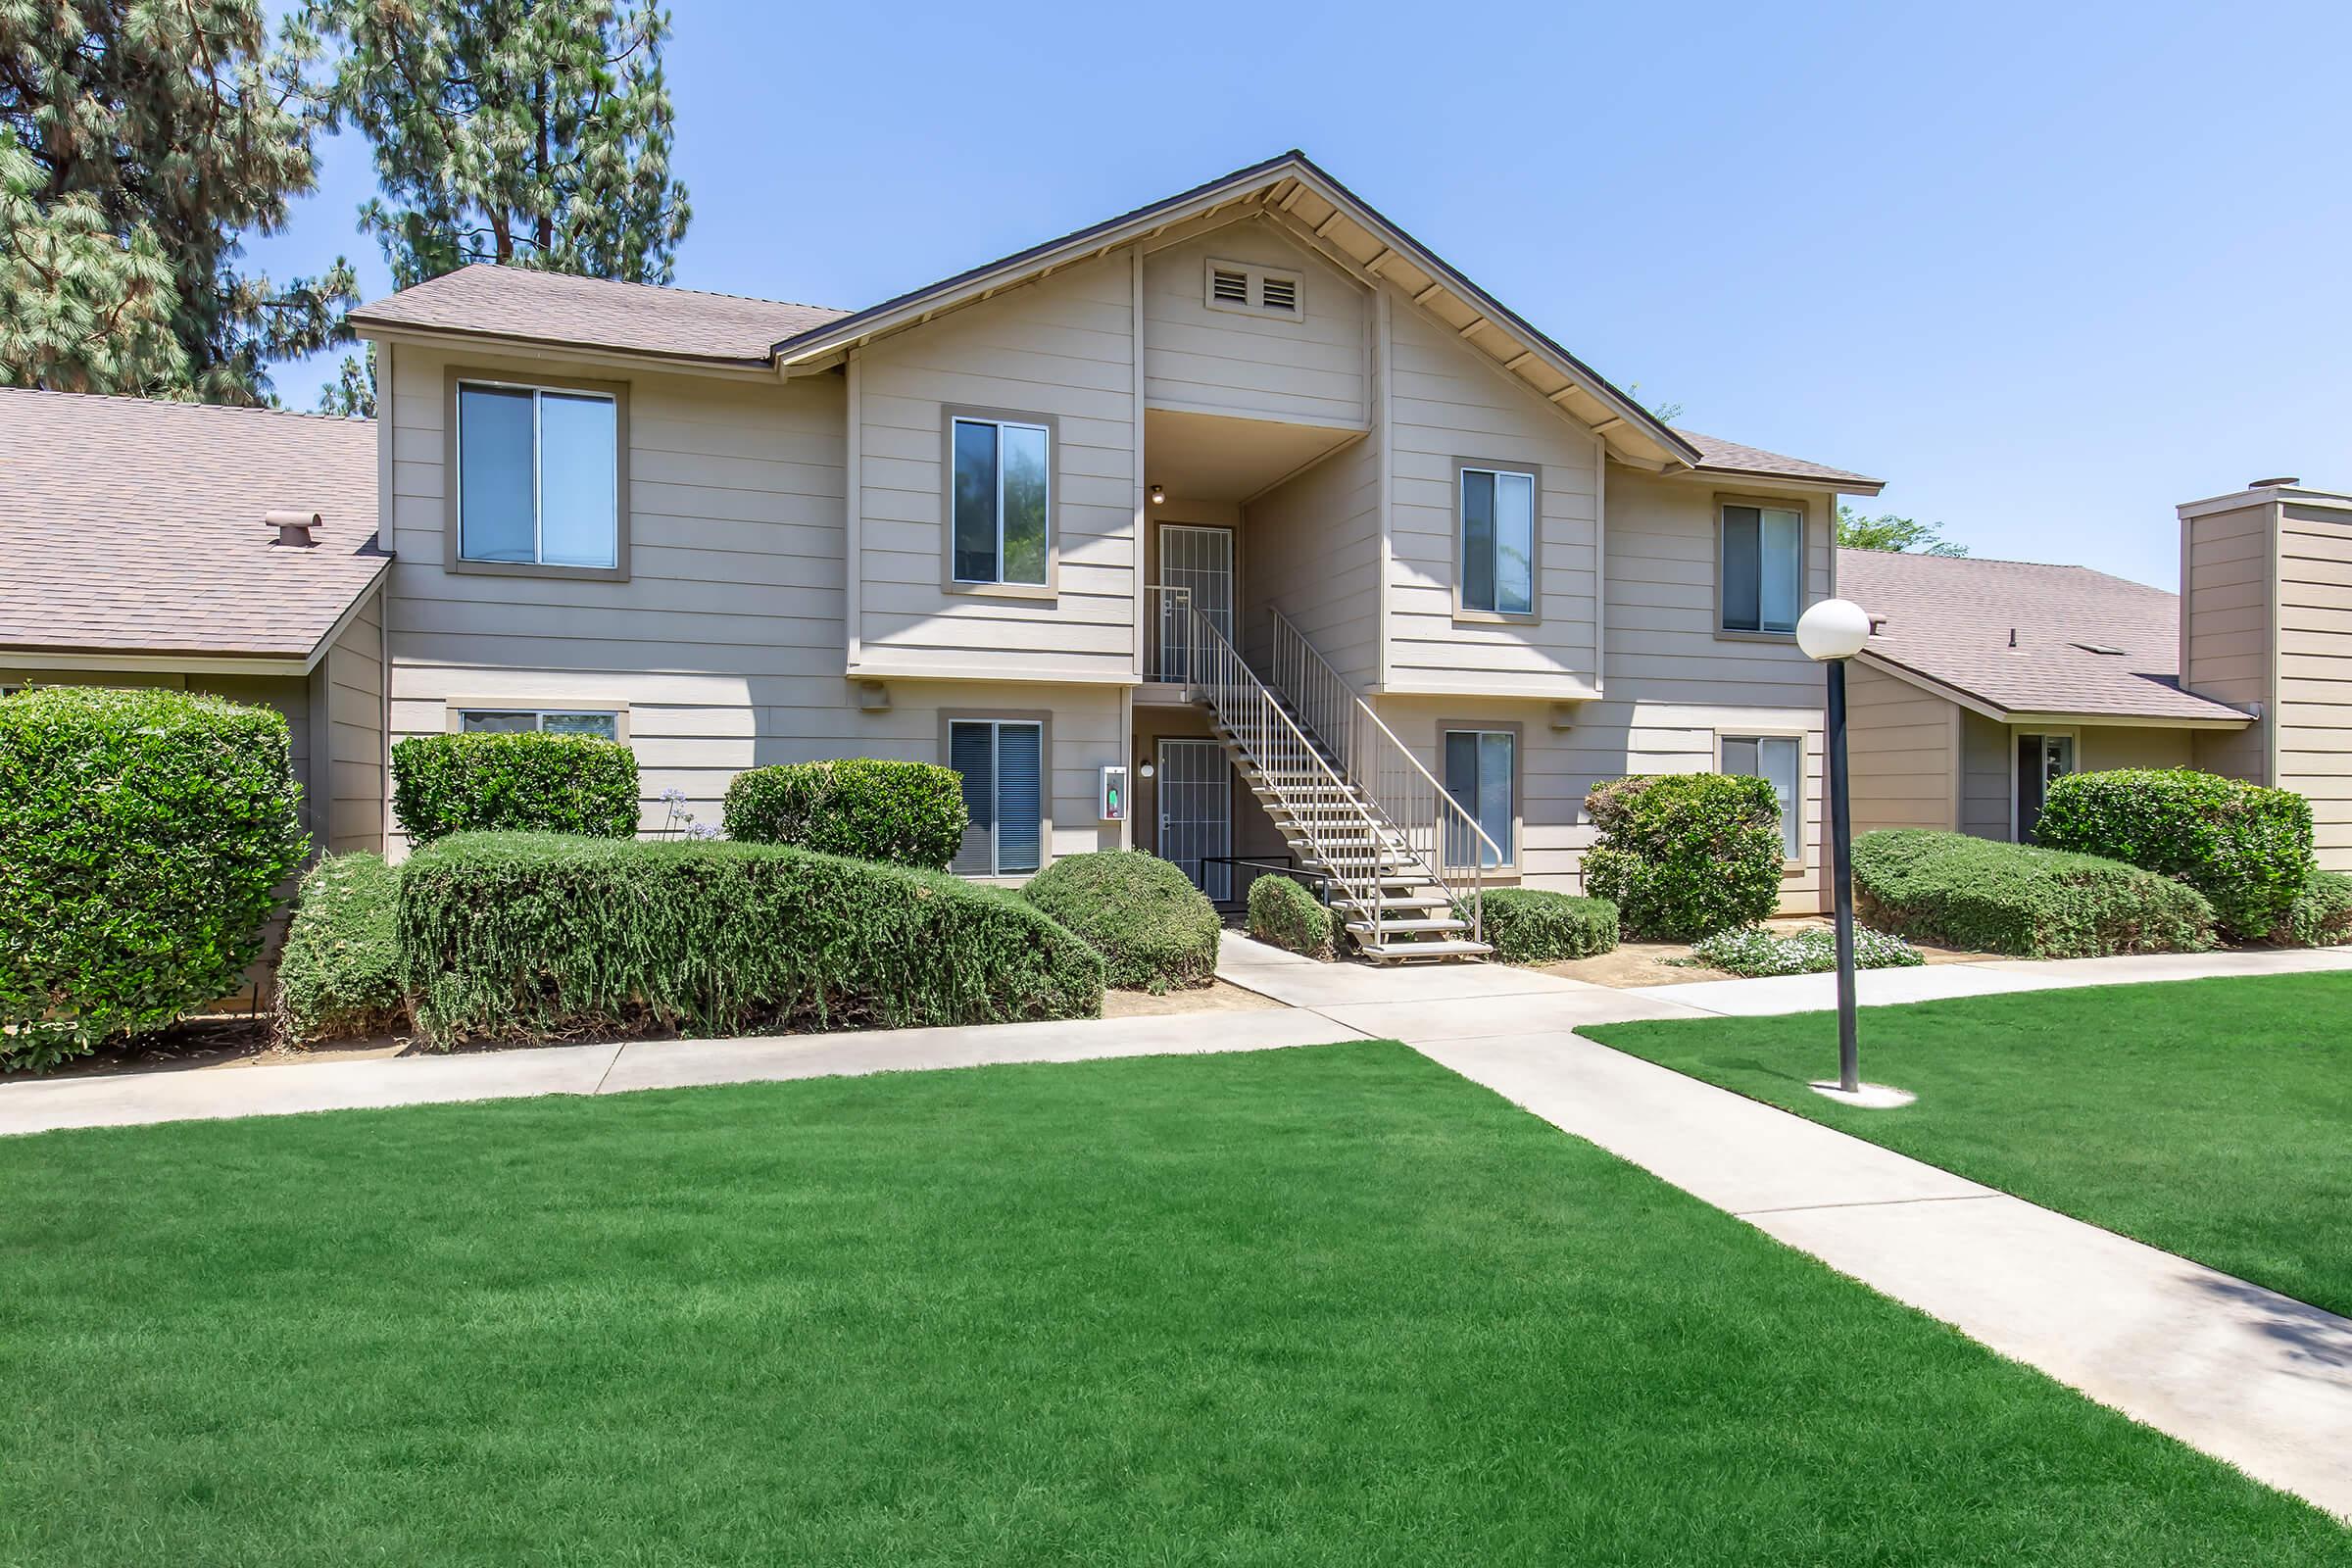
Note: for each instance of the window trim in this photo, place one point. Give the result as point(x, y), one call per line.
point(1257, 274)
point(2072, 734)
point(1517, 731)
point(949, 415)
point(1043, 719)
point(1533, 614)
point(1806, 779)
point(455, 710)
point(453, 560)
point(1805, 597)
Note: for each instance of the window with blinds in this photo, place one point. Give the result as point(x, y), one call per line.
point(1781, 761)
point(1482, 776)
point(1001, 762)
point(1763, 568)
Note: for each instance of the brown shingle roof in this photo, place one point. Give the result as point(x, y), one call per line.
point(596, 313)
point(1950, 620)
point(135, 527)
point(1715, 453)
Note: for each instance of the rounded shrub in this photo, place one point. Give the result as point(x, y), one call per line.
point(339, 972)
point(908, 813)
point(1992, 896)
point(1685, 855)
point(2321, 915)
point(1285, 914)
point(1155, 930)
point(143, 835)
point(2247, 848)
point(1534, 926)
point(547, 936)
point(533, 782)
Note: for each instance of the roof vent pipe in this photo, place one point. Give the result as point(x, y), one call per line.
point(2282, 483)
point(293, 527)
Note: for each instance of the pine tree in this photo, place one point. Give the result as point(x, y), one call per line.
point(525, 132)
point(143, 138)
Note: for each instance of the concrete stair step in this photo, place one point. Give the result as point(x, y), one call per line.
point(1396, 951)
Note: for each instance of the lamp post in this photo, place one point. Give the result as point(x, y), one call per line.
point(1831, 633)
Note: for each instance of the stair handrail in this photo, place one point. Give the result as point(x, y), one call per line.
point(1383, 766)
point(1274, 742)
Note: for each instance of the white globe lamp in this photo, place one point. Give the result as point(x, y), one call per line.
point(1835, 628)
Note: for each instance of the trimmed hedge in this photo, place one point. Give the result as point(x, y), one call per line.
point(1285, 914)
point(2247, 848)
point(531, 782)
point(1991, 897)
point(2321, 915)
point(908, 813)
point(1685, 855)
point(1155, 930)
point(1533, 925)
point(533, 935)
point(339, 973)
point(1755, 952)
point(143, 836)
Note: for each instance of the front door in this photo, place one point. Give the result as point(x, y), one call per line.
point(1196, 813)
point(2042, 760)
point(1200, 561)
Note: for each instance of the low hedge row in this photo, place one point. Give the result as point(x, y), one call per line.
point(1684, 855)
point(910, 813)
point(1991, 897)
point(529, 782)
point(1755, 952)
point(1285, 914)
point(2321, 915)
point(1156, 931)
point(2247, 848)
point(339, 972)
point(143, 836)
point(1533, 925)
point(538, 934)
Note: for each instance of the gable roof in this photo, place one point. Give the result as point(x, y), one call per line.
point(1718, 456)
point(134, 526)
point(556, 309)
point(1949, 620)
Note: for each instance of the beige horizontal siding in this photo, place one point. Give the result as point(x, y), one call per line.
point(1310, 369)
point(2225, 647)
point(1901, 743)
point(1986, 778)
point(1310, 547)
point(2315, 672)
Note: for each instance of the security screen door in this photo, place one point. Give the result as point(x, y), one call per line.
point(1195, 813)
point(1199, 560)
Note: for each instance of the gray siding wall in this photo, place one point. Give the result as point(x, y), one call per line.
point(1903, 744)
point(1987, 771)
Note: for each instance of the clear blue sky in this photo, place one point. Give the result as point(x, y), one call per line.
point(2049, 269)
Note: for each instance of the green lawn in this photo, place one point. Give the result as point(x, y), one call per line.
point(1331, 1305)
point(2207, 1117)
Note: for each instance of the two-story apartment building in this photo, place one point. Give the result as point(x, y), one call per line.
point(1245, 492)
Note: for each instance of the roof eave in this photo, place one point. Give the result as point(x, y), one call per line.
point(376, 330)
point(1844, 484)
point(1988, 708)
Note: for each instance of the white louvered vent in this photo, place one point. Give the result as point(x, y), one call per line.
point(1253, 290)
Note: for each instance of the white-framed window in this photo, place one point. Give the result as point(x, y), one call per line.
point(1000, 500)
point(2042, 760)
point(1763, 567)
point(1779, 760)
point(538, 476)
point(1003, 761)
point(1253, 290)
point(1482, 774)
point(1495, 540)
point(553, 720)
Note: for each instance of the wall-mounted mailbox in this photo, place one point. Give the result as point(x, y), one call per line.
point(1110, 795)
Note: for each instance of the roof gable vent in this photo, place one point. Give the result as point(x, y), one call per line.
point(1248, 289)
point(1278, 293)
point(1228, 285)
point(293, 527)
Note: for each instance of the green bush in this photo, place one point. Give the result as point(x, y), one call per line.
point(537, 935)
point(1685, 855)
point(910, 813)
point(1155, 930)
point(533, 782)
point(1755, 952)
point(2247, 848)
point(339, 973)
point(2321, 915)
point(1531, 926)
point(143, 835)
point(1991, 897)
point(1287, 915)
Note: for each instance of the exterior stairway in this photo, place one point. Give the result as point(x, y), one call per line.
point(1350, 801)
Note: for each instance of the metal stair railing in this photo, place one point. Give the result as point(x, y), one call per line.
point(1433, 826)
point(1281, 752)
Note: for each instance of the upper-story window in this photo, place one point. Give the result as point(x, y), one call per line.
point(1763, 567)
point(538, 482)
point(1000, 500)
point(1497, 540)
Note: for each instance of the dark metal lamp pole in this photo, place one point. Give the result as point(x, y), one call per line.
point(1841, 891)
